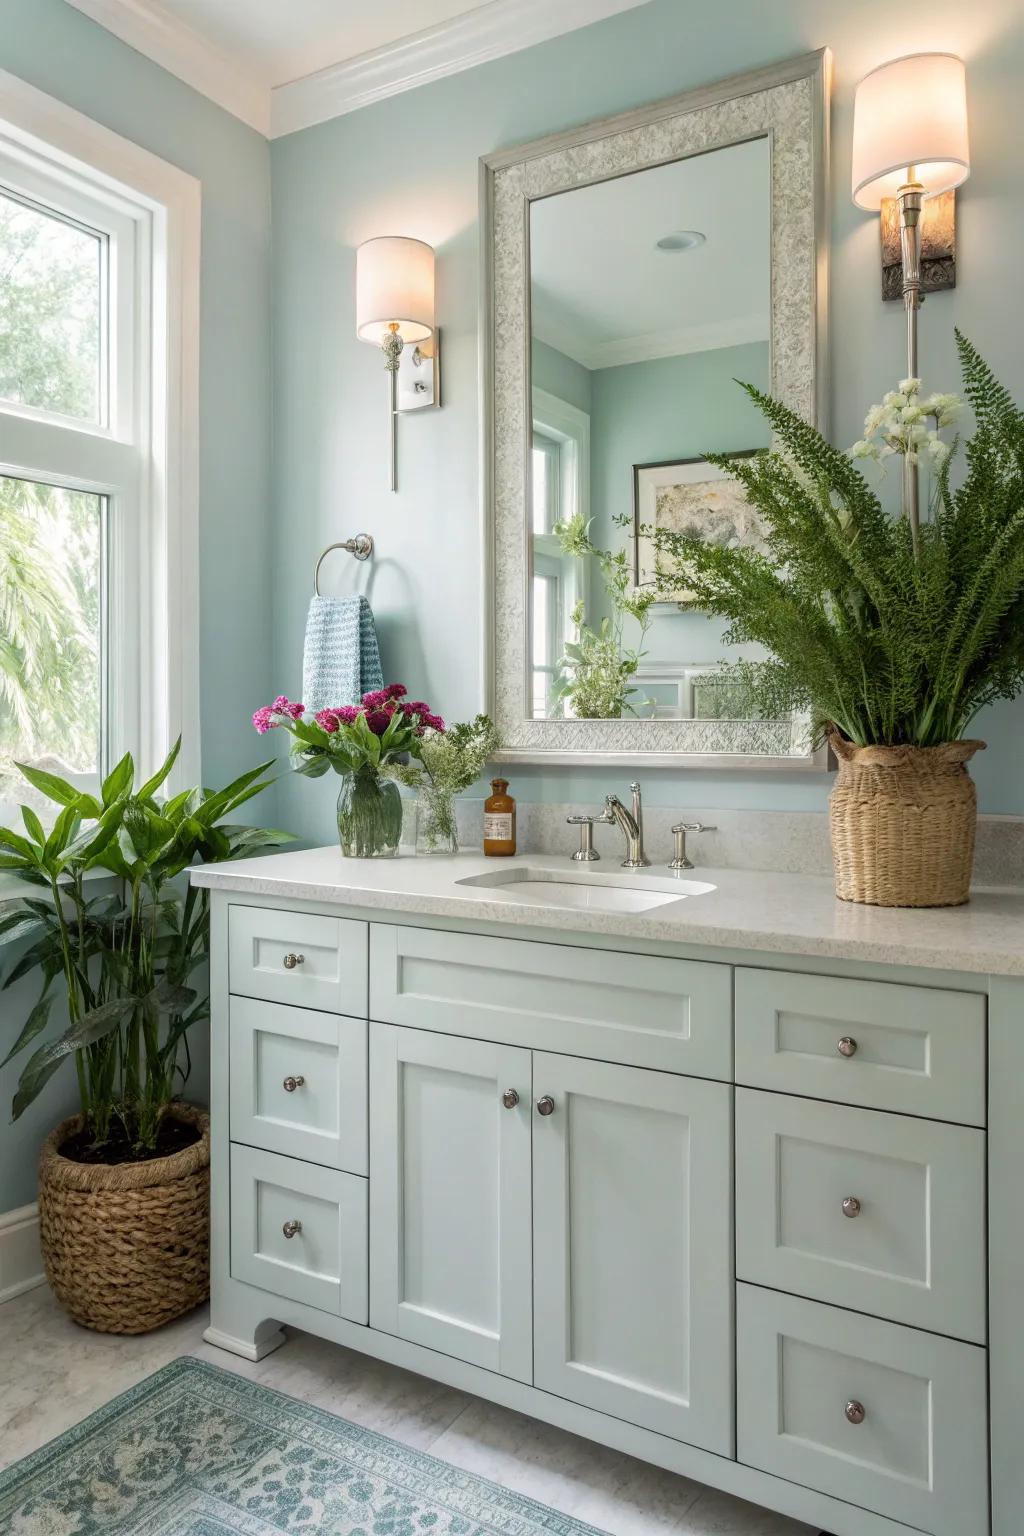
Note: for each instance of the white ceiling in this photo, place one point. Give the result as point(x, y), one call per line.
point(282, 65)
point(603, 293)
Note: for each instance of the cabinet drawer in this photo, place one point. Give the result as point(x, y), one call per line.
point(297, 957)
point(917, 1050)
point(324, 1262)
point(918, 1454)
point(298, 1083)
point(638, 1009)
point(881, 1213)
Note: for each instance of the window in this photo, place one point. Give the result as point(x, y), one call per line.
point(559, 470)
point(98, 405)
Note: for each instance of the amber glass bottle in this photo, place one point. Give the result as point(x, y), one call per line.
point(499, 821)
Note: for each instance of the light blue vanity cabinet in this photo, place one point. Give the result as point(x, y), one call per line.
point(725, 1211)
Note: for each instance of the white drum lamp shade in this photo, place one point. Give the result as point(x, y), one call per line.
point(394, 287)
point(910, 112)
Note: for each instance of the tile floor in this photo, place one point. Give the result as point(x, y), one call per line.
point(53, 1373)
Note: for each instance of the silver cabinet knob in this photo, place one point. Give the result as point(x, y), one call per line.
point(291, 961)
point(510, 1098)
point(851, 1206)
point(546, 1105)
point(847, 1046)
point(291, 1083)
point(855, 1412)
point(290, 1228)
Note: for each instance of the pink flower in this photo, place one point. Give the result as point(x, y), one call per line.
point(328, 721)
point(396, 690)
point(346, 713)
point(378, 720)
point(263, 719)
point(375, 700)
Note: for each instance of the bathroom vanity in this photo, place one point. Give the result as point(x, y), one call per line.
point(722, 1173)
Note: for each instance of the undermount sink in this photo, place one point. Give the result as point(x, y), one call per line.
point(582, 892)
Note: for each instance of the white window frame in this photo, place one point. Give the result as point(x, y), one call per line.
point(143, 453)
point(565, 433)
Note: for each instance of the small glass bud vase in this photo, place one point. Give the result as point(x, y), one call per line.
point(369, 816)
point(438, 830)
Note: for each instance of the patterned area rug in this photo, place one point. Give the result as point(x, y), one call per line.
point(197, 1451)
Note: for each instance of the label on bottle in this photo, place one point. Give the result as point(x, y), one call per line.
point(498, 826)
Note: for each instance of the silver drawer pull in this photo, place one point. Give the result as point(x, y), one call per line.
point(291, 961)
point(855, 1412)
point(510, 1098)
point(290, 1228)
point(291, 1083)
point(546, 1105)
point(847, 1046)
point(851, 1206)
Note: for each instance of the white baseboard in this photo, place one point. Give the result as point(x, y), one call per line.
point(21, 1264)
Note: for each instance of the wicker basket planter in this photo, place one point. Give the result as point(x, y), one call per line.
point(903, 822)
point(127, 1248)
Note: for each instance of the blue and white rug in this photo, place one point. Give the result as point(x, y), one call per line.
point(197, 1451)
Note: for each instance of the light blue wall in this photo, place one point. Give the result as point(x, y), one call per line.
point(409, 165)
point(56, 48)
point(561, 376)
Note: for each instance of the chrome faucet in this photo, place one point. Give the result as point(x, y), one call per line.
point(631, 824)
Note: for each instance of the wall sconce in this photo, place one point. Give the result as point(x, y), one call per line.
point(395, 309)
point(910, 143)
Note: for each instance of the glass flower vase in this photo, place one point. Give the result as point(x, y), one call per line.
point(369, 816)
point(438, 830)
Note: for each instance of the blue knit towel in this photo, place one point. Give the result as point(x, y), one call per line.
point(341, 659)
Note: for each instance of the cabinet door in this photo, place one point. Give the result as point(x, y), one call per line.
point(633, 1276)
point(450, 1196)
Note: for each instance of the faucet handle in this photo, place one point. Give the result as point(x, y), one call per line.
point(586, 853)
point(680, 861)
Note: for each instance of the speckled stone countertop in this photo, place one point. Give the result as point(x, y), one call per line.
point(746, 909)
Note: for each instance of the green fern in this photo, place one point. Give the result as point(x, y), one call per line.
point(889, 646)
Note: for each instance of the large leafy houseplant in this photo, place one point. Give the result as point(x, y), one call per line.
point(129, 962)
point(890, 635)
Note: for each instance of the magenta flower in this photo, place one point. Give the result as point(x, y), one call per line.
point(347, 713)
point(263, 719)
point(327, 720)
point(375, 700)
point(378, 720)
point(396, 691)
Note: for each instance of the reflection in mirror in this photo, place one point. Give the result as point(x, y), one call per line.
point(650, 296)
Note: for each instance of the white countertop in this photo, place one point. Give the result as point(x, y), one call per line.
point(753, 910)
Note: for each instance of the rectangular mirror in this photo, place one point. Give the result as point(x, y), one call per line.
point(635, 270)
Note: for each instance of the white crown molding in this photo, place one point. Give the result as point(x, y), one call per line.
point(145, 26)
point(21, 1265)
point(503, 26)
point(673, 342)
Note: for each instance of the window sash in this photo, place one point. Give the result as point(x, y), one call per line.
point(144, 457)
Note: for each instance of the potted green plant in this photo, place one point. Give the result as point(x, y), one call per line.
point(123, 1185)
point(596, 671)
point(892, 638)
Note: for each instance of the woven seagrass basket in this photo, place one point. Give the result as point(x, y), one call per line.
point(127, 1248)
point(903, 822)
